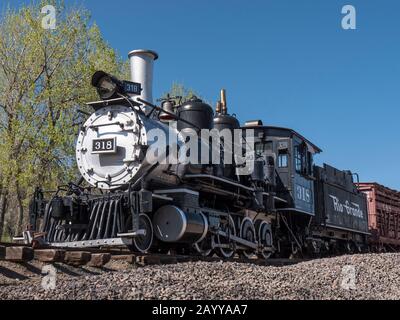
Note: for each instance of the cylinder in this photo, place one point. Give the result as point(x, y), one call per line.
point(141, 62)
point(172, 224)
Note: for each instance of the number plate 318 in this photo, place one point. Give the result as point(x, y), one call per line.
point(104, 146)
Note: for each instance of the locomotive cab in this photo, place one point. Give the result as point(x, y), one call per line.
point(293, 156)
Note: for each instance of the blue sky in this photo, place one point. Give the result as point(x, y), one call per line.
point(288, 63)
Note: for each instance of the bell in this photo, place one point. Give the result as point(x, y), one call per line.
point(169, 107)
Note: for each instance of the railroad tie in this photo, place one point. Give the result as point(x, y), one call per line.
point(130, 258)
point(98, 260)
point(147, 260)
point(19, 254)
point(168, 259)
point(181, 259)
point(49, 255)
point(77, 258)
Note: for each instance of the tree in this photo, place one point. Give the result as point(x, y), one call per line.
point(44, 78)
point(179, 90)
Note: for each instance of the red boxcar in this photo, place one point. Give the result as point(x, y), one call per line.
point(383, 215)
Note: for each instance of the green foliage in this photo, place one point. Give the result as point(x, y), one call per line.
point(44, 77)
point(6, 238)
point(179, 90)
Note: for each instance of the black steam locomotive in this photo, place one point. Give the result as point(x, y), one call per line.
point(283, 206)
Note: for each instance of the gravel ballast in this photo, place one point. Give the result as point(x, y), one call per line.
point(377, 276)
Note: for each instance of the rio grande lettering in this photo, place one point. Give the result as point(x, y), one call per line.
point(351, 208)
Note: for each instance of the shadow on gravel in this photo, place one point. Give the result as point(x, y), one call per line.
point(74, 271)
point(93, 273)
point(107, 269)
point(31, 268)
point(65, 270)
point(12, 274)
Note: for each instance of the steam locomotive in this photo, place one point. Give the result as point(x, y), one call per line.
point(284, 206)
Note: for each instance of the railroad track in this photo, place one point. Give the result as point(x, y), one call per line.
point(99, 257)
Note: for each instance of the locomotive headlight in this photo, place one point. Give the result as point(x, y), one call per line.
point(109, 87)
point(106, 85)
point(106, 88)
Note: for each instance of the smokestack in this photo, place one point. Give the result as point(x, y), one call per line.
point(141, 62)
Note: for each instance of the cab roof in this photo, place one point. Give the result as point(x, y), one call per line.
point(287, 132)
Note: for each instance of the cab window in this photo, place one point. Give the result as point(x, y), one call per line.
point(282, 159)
point(309, 163)
point(302, 160)
point(261, 147)
point(298, 159)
